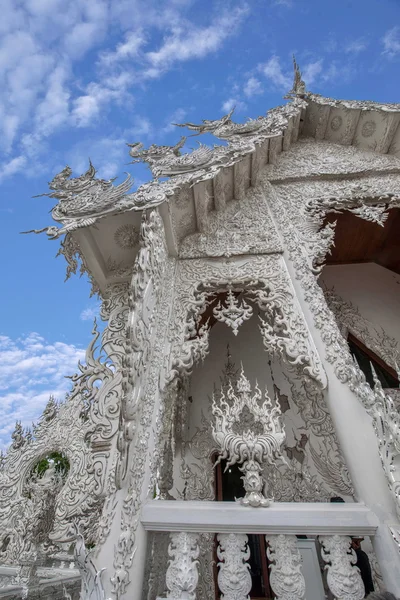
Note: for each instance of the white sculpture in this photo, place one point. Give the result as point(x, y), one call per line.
point(250, 433)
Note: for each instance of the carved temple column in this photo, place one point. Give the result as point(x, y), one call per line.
point(357, 440)
point(140, 413)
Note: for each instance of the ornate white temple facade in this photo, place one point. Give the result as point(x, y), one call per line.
point(230, 394)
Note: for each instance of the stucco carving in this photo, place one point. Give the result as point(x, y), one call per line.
point(344, 579)
point(305, 244)
point(233, 231)
point(182, 573)
point(349, 319)
point(39, 512)
point(149, 308)
point(249, 433)
point(234, 579)
point(263, 281)
point(286, 579)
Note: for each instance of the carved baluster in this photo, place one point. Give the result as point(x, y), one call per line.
point(234, 579)
point(344, 579)
point(286, 578)
point(182, 574)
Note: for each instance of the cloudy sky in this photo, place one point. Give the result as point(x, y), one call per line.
point(80, 78)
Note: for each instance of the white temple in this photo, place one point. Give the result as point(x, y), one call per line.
point(246, 375)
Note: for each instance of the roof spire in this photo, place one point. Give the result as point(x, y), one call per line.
point(299, 87)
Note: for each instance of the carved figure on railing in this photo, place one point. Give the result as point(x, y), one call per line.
point(234, 579)
point(344, 579)
point(286, 579)
point(182, 573)
point(249, 433)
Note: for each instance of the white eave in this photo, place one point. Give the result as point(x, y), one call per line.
point(189, 200)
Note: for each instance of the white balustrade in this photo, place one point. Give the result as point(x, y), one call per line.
point(333, 523)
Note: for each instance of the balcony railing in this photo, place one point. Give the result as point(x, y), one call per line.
point(294, 564)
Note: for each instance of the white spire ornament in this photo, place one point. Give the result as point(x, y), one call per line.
point(248, 432)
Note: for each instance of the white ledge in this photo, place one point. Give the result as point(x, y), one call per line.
point(281, 517)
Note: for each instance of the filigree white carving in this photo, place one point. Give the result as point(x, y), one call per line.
point(344, 579)
point(126, 236)
point(234, 579)
point(233, 312)
point(286, 578)
point(263, 280)
point(249, 433)
point(350, 319)
point(83, 200)
point(305, 243)
point(182, 574)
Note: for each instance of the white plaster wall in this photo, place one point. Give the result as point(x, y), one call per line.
point(374, 290)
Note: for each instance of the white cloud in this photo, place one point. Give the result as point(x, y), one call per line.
point(141, 127)
point(252, 87)
point(273, 71)
point(11, 167)
point(126, 50)
point(43, 42)
point(233, 103)
point(176, 117)
point(90, 313)
point(30, 370)
point(311, 72)
point(87, 107)
point(391, 42)
point(188, 41)
point(356, 46)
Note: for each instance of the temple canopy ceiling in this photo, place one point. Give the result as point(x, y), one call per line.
point(358, 241)
point(101, 219)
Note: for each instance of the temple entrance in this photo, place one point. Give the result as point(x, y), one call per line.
point(228, 486)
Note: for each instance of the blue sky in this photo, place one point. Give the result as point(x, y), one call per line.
point(80, 78)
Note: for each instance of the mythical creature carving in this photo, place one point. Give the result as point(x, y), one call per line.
point(286, 579)
point(249, 433)
point(207, 126)
point(82, 200)
point(182, 573)
point(167, 161)
point(234, 579)
point(344, 579)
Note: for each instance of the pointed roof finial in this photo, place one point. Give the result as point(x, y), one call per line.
point(299, 87)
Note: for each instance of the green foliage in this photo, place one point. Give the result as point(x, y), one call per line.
point(60, 461)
